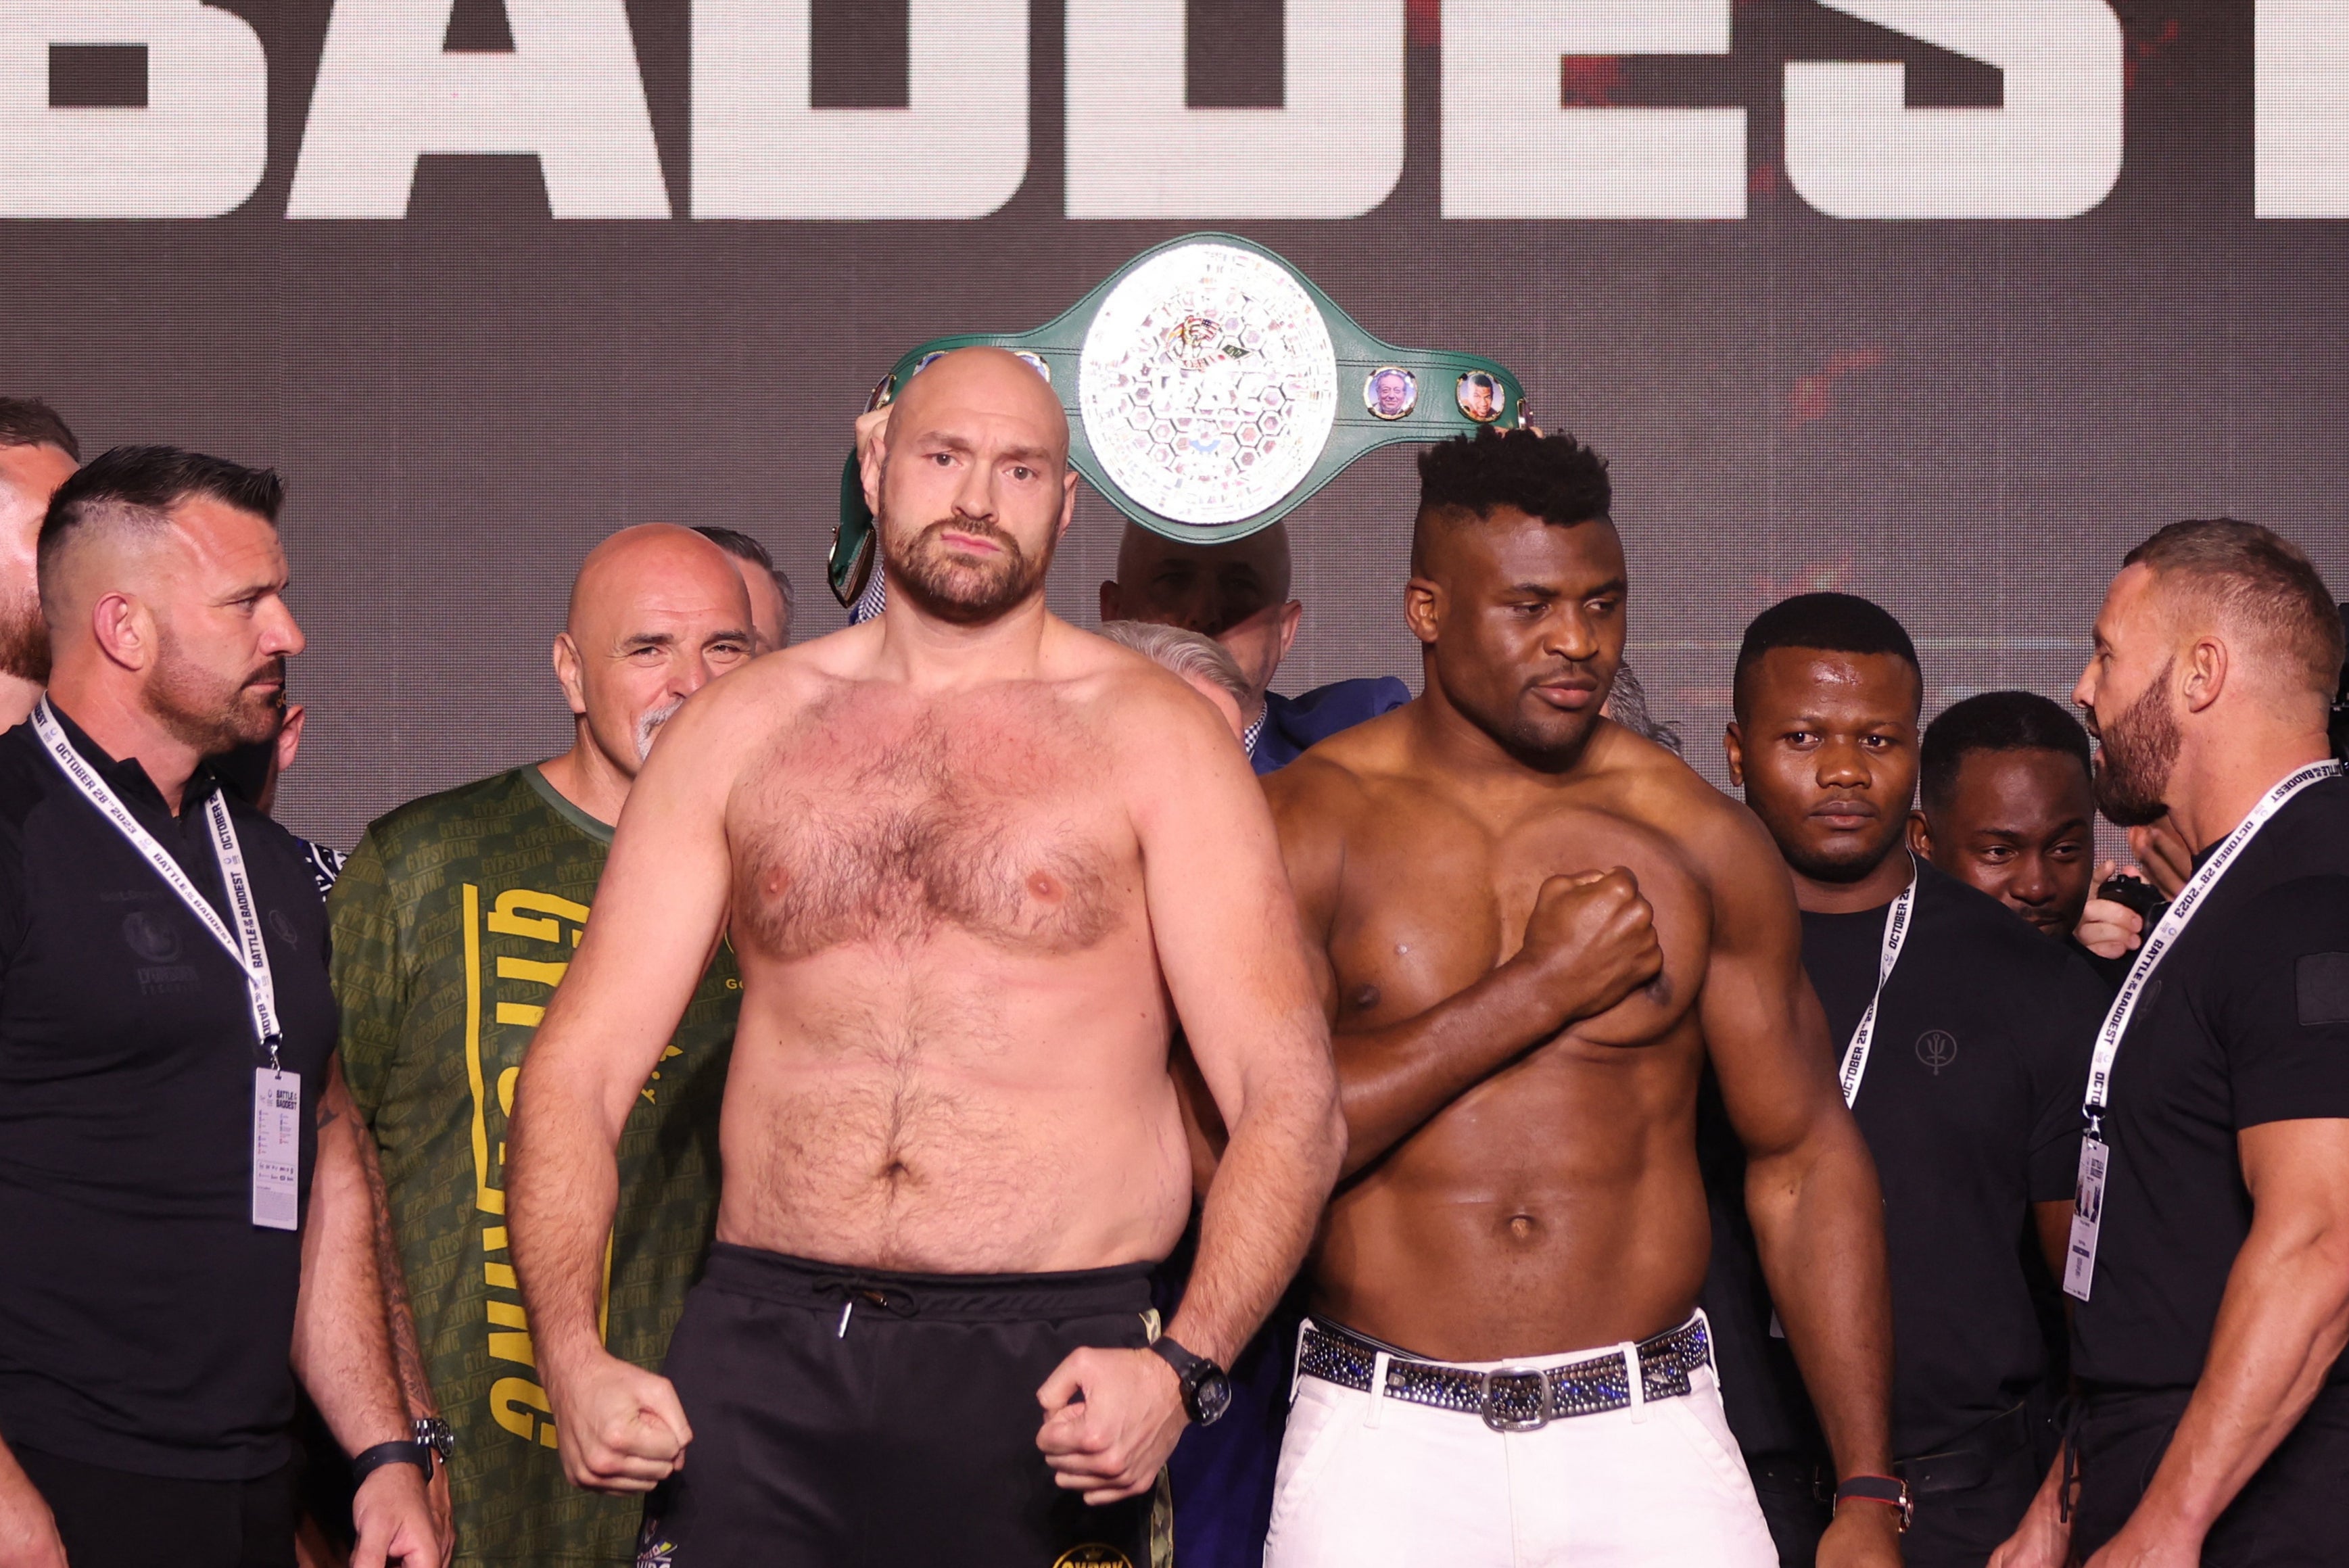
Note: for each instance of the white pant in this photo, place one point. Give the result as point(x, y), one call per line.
point(1373, 1483)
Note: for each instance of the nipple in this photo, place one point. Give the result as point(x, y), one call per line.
point(1041, 884)
point(1366, 998)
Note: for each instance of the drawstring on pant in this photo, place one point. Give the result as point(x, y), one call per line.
point(1638, 1384)
point(854, 1288)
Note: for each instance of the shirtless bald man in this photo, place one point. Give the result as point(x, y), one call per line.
point(974, 862)
point(1519, 1079)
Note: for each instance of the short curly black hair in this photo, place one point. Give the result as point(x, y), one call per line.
point(1554, 478)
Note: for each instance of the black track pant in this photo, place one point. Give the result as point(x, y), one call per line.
point(114, 1519)
point(2289, 1515)
point(845, 1417)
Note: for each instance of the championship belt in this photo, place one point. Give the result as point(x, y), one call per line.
point(1211, 390)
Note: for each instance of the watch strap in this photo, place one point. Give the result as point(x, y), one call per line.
point(405, 1452)
point(1437, 408)
point(1883, 1488)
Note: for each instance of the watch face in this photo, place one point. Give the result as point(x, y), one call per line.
point(1208, 383)
point(1213, 1396)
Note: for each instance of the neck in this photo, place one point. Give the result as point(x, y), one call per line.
point(1465, 748)
point(588, 779)
point(2212, 787)
point(925, 650)
point(17, 697)
point(110, 713)
point(1874, 891)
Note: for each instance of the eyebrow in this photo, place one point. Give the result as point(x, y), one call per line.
point(647, 640)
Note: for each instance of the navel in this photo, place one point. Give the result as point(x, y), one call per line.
point(1522, 1227)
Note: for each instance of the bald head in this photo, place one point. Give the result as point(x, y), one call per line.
point(658, 611)
point(971, 486)
point(992, 384)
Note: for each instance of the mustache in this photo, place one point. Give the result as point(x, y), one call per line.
point(648, 727)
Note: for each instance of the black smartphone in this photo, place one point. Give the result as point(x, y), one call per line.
point(2134, 891)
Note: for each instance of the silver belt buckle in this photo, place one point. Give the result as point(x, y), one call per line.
point(1499, 1420)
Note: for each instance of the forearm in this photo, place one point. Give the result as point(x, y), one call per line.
point(342, 1346)
point(2281, 1326)
point(1391, 1081)
point(1260, 1217)
point(1818, 1217)
point(562, 1189)
point(407, 1355)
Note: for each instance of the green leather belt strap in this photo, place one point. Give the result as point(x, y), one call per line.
point(1211, 388)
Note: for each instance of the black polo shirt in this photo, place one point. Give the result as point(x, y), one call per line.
point(2246, 1021)
point(145, 1321)
point(1971, 1105)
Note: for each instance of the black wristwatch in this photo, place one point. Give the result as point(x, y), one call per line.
point(405, 1452)
point(434, 1434)
point(1206, 1389)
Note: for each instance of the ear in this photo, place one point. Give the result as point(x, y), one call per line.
point(124, 629)
point(1068, 505)
point(1422, 608)
point(1920, 838)
point(872, 453)
point(2202, 674)
point(1112, 603)
point(569, 669)
point(289, 736)
point(1292, 615)
point(1733, 743)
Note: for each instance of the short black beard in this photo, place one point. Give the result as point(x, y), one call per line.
point(966, 595)
point(2137, 752)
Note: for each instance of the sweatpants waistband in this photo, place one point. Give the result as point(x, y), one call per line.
point(942, 1297)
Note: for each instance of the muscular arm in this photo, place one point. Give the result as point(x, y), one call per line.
point(1591, 941)
point(342, 1343)
point(1236, 967)
point(659, 910)
point(1810, 1185)
point(2282, 1325)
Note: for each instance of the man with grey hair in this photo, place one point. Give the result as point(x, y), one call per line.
point(37, 452)
point(453, 922)
point(1204, 665)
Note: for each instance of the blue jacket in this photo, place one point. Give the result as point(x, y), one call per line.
point(1293, 723)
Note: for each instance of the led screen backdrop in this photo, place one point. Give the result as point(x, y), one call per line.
point(1946, 302)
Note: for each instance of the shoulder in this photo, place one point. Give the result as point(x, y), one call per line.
point(1340, 772)
point(1338, 706)
point(2288, 918)
point(426, 819)
point(2042, 984)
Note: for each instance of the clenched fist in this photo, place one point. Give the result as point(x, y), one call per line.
point(1590, 941)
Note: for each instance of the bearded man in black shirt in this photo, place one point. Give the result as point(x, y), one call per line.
point(1964, 1039)
point(2210, 1258)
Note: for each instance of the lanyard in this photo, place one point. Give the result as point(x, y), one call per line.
point(244, 944)
point(2165, 935)
point(1896, 932)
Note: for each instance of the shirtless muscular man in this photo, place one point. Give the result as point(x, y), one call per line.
point(1519, 1041)
point(974, 862)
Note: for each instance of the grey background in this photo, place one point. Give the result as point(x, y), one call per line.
point(464, 400)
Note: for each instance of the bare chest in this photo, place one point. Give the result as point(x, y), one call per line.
point(998, 824)
point(1435, 898)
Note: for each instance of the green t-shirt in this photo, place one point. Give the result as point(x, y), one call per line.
point(452, 923)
